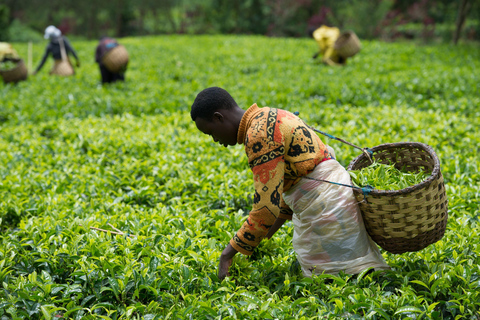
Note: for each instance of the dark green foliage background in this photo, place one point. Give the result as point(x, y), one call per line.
point(74, 154)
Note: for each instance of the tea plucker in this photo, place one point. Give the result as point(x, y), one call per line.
point(329, 234)
point(54, 48)
point(7, 52)
point(105, 45)
point(325, 37)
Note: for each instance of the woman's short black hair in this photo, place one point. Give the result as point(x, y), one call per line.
point(210, 100)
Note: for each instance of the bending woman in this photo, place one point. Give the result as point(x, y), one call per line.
point(54, 48)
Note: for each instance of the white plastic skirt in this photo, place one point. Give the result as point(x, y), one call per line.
point(329, 234)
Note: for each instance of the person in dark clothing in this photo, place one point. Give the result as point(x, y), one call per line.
point(105, 45)
point(54, 48)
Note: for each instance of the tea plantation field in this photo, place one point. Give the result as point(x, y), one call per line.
point(75, 155)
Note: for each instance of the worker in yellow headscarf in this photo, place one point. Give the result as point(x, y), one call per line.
point(325, 38)
point(7, 52)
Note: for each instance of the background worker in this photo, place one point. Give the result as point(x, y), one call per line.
point(12, 68)
point(54, 48)
point(7, 52)
point(325, 38)
point(105, 45)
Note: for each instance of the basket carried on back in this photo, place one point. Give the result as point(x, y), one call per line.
point(116, 59)
point(347, 45)
point(62, 68)
point(16, 74)
point(412, 218)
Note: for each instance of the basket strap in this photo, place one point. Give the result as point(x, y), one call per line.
point(368, 152)
point(365, 190)
point(63, 52)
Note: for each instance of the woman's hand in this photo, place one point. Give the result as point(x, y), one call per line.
point(226, 259)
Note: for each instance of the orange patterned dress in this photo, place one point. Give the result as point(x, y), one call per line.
point(281, 149)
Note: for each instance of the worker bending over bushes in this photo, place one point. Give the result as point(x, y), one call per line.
point(329, 234)
point(59, 47)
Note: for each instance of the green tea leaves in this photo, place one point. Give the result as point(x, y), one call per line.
point(386, 177)
point(75, 155)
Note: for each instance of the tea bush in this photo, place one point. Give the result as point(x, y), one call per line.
point(75, 155)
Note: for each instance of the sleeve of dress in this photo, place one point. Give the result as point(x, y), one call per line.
point(285, 211)
point(327, 55)
point(69, 47)
point(268, 175)
point(44, 58)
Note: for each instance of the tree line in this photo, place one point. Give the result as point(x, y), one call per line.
point(386, 19)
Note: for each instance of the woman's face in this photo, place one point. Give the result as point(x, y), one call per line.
point(219, 128)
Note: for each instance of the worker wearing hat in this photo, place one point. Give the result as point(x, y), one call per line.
point(54, 48)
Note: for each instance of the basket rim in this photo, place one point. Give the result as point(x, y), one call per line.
point(18, 61)
point(344, 36)
point(434, 175)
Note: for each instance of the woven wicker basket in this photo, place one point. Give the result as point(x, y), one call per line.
point(116, 60)
point(347, 45)
point(16, 74)
point(62, 68)
point(410, 219)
